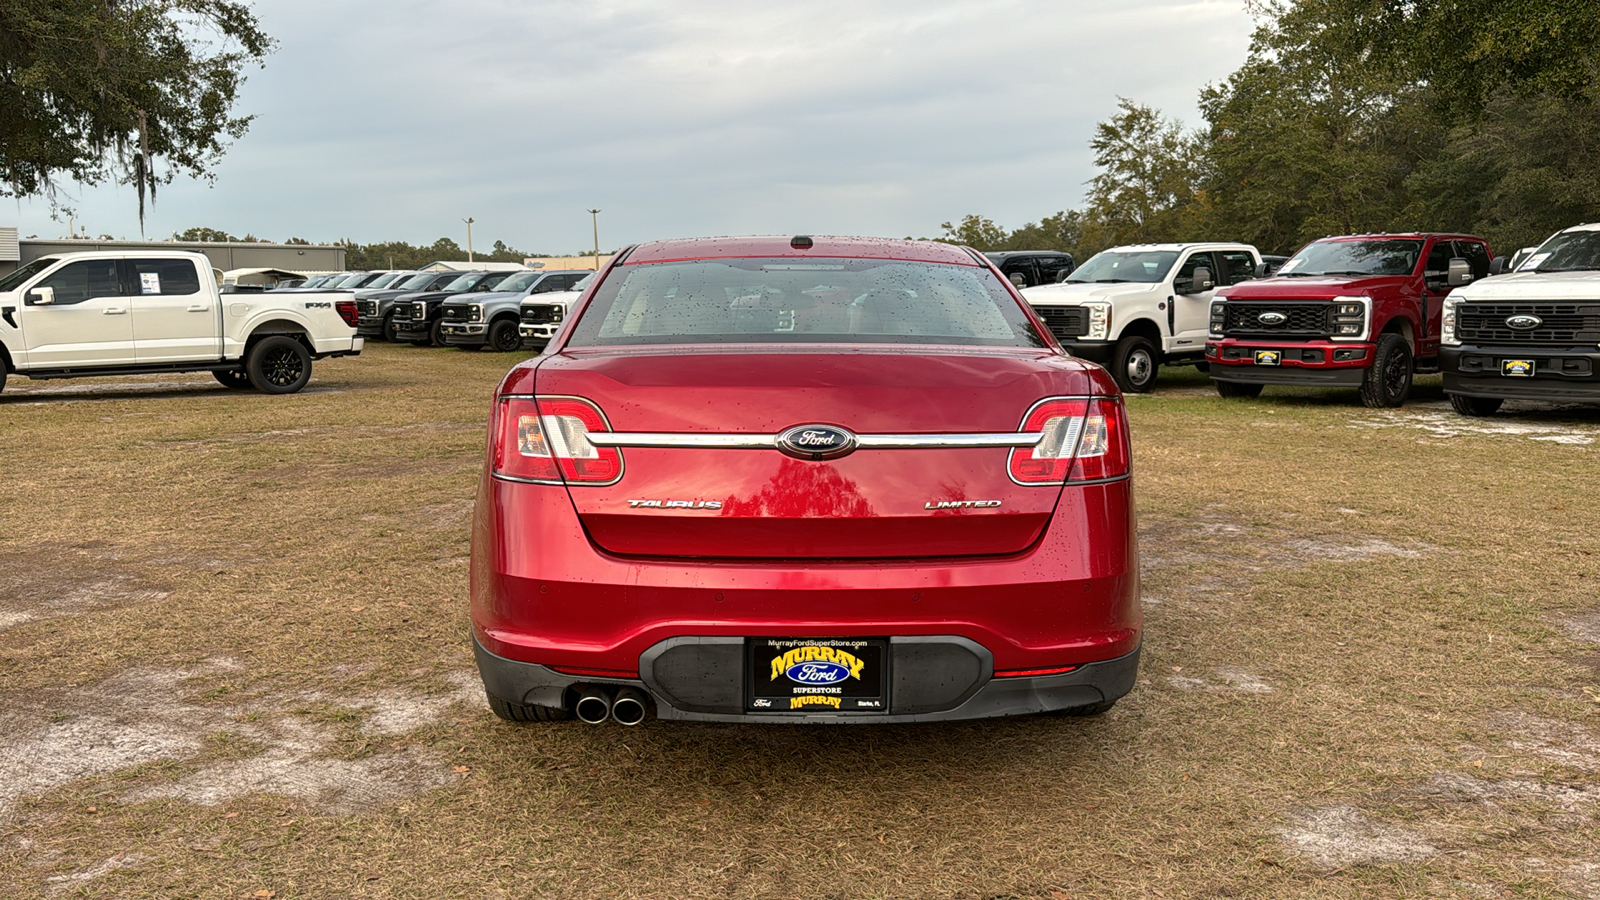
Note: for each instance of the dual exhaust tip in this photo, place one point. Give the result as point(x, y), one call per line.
point(597, 703)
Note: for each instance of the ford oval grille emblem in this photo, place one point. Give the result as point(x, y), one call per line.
point(1524, 323)
point(817, 672)
point(1272, 318)
point(816, 441)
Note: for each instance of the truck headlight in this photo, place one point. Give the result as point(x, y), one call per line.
point(1350, 318)
point(1219, 317)
point(1447, 322)
point(1099, 313)
point(475, 312)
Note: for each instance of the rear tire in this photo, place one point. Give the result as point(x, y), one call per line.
point(504, 336)
point(1475, 406)
point(1388, 383)
point(278, 364)
point(1236, 390)
point(238, 379)
point(1134, 364)
point(518, 712)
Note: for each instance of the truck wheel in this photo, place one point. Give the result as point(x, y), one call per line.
point(504, 336)
point(1234, 389)
point(1475, 406)
point(3, 374)
point(1388, 382)
point(517, 712)
point(436, 333)
point(1134, 364)
point(278, 364)
point(389, 328)
point(238, 379)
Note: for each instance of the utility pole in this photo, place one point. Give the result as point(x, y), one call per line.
point(469, 221)
point(594, 216)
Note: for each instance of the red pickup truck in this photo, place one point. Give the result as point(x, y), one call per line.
point(1360, 311)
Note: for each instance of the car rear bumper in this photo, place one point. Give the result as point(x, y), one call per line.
point(1307, 363)
point(934, 678)
point(1558, 375)
point(544, 595)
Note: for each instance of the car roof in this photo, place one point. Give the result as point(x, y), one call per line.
point(1198, 245)
point(1587, 226)
point(1008, 254)
point(776, 246)
point(1401, 235)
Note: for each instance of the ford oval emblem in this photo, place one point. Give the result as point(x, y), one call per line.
point(1524, 323)
point(1272, 318)
point(816, 441)
point(817, 672)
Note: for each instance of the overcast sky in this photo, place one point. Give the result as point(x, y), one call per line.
point(396, 119)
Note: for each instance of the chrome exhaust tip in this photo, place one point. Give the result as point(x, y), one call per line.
point(628, 708)
point(593, 706)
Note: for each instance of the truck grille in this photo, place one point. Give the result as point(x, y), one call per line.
point(540, 315)
point(1064, 322)
point(1563, 324)
point(1306, 321)
point(455, 314)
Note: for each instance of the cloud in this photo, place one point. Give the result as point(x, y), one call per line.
point(395, 120)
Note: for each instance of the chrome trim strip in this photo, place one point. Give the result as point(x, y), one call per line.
point(770, 441)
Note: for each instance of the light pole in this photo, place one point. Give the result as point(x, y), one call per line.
point(594, 216)
point(469, 221)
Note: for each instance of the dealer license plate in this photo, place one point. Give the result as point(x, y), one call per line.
point(817, 675)
point(1268, 357)
point(1517, 368)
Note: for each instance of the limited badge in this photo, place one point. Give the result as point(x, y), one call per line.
point(1517, 368)
point(1268, 357)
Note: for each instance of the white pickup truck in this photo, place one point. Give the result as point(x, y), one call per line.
point(1133, 308)
point(543, 314)
point(138, 312)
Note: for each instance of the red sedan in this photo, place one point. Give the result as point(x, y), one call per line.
point(804, 479)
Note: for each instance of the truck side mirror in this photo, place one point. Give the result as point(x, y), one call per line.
point(1261, 270)
point(1460, 272)
point(1497, 266)
point(1200, 284)
point(41, 296)
point(1018, 279)
point(1062, 275)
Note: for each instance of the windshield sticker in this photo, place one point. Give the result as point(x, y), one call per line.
point(1289, 266)
point(1533, 261)
point(150, 282)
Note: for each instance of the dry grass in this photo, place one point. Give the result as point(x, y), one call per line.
point(233, 640)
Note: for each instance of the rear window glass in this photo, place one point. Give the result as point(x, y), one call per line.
point(165, 276)
point(803, 301)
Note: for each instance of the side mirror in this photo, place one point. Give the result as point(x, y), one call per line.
point(1497, 266)
point(1062, 275)
point(1018, 279)
point(1460, 272)
point(1261, 270)
point(41, 296)
point(1201, 283)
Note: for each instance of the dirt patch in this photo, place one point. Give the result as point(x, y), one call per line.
point(1344, 836)
point(61, 883)
point(1585, 628)
point(1448, 425)
point(1227, 679)
point(140, 717)
point(43, 581)
point(1551, 739)
point(1353, 552)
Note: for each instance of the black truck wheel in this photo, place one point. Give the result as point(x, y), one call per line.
point(1388, 382)
point(1235, 389)
point(278, 364)
point(517, 712)
point(1134, 364)
point(388, 328)
point(1475, 406)
point(504, 336)
point(238, 379)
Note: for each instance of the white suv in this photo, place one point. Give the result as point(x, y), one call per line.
point(1133, 308)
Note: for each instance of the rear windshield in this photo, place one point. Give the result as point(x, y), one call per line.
point(758, 301)
point(1382, 257)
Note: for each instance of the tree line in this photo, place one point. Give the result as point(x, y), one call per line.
point(1353, 116)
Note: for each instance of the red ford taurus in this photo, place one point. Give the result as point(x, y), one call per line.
point(799, 480)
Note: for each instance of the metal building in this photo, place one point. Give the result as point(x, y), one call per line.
point(303, 258)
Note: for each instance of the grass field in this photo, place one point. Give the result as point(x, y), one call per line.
point(234, 663)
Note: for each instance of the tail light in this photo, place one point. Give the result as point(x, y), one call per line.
point(1082, 439)
point(546, 440)
point(347, 311)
